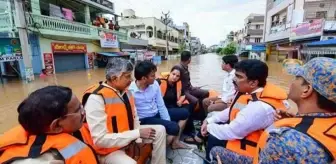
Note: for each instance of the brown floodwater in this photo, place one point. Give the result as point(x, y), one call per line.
point(205, 70)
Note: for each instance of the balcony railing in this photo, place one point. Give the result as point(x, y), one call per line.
point(254, 32)
point(59, 25)
point(5, 22)
point(55, 26)
point(278, 32)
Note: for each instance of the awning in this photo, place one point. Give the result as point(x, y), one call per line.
point(318, 51)
point(113, 54)
point(329, 42)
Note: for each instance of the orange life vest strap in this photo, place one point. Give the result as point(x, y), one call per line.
point(124, 99)
point(303, 127)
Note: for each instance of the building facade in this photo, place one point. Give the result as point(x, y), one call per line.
point(196, 46)
point(63, 35)
point(253, 30)
point(153, 30)
point(292, 23)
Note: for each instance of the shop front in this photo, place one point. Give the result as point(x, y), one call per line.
point(325, 48)
point(66, 57)
point(11, 59)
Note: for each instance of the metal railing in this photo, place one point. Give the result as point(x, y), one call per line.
point(43, 22)
point(57, 24)
point(5, 22)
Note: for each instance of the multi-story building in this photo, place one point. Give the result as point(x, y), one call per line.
point(324, 10)
point(291, 23)
point(254, 25)
point(63, 35)
point(196, 46)
point(153, 30)
point(184, 35)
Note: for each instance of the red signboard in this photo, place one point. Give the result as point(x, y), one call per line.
point(68, 48)
point(91, 59)
point(306, 30)
point(49, 63)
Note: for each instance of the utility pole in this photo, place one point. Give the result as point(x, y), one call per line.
point(21, 25)
point(166, 20)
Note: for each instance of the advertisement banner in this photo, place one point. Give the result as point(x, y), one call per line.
point(49, 63)
point(91, 59)
point(306, 30)
point(108, 40)
point(68, 48)
point(10, 49)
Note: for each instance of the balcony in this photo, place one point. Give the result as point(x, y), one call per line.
point(53, 26)
point(6, 24)
point(254, 32)
point(278, 33)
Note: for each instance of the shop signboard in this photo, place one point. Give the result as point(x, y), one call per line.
point(309, 29)
point(108, 40)
point(10, 49)
point(91, 60)
point(49, 62)
point(68, 48)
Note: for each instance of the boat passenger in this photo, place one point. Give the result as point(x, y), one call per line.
point(310, 136)
point(112, 119)
point(239, 127)
point(47, 118)
point(220, 103)
point(151, 107)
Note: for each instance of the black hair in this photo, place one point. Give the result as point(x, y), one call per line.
point(232, 60)
point(322, 102)
point(143, 69)
point(175, 68)
point(185, 56)
point(254, 70)
point(43, 106)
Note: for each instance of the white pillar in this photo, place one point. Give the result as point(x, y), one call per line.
point(35, 6)
point(87, 15)
point(23, 35)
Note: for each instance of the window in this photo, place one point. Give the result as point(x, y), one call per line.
point(257, 40)
point(321, 14)
point(257, 26)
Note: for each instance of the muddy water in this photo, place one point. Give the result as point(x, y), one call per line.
point(205, 70)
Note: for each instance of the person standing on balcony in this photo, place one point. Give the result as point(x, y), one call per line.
point(112, 119)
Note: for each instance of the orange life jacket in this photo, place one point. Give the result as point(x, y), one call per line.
point(321, 129)
point(164, 85)
point(18, 144)
point(272, 95)
point(119, 111)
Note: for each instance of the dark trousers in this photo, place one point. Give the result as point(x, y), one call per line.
point(195, 95)
point(212, 142)
point(172, 128)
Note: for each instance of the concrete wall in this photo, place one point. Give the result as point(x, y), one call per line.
point(326, 5)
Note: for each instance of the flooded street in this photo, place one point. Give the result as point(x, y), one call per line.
point(205, 70)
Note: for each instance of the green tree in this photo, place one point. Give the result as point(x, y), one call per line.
point(218, 50)
point(230, 49)
point(182, 47)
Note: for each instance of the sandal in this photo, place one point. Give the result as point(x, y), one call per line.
point(193, 142)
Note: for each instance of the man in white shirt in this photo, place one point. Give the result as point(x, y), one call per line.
point(113, 121)
point(253, 109)
point(220, 103)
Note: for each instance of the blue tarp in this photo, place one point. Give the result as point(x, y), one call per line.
point(329, 42)
point(111, 54)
